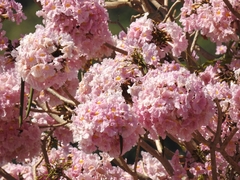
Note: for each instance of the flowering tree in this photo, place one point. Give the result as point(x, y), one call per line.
point(79, 103)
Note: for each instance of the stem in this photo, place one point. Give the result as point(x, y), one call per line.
point(194, 41)
point(121, 163)
point(136, 157)
point(34, 171)
point(54, 116)
point(116, 49)
point(171, 10)
point(55, 93)
point(69, 95)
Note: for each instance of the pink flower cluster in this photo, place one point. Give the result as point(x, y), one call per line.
point(200, 169)
point(171, 101)
point(212, 18)
point(153, 40)
point(105, 123)
point(11, 10)
point(75, 164)
point(12, 138)
point(9, 93)
point(18, 143)
point(105, 119)
point(85, 21)
point(106, 78)
point(51, 60)
point(19, 171)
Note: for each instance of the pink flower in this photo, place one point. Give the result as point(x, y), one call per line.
point(212, 18)
point(153, 41)
point(18, 143)
point(12, 10)
point(51, 60)
point(178, 41)
point(151, 167)
point(85, 21)
point(172, 101)
point(105, 123)
point(75, 164)
point(221, 49)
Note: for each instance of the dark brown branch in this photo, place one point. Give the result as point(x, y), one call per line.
point(125, 167)
point(229, 159)
point(157, 155)
point(6, 175)
point(217, 140)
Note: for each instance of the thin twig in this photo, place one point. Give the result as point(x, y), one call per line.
point(116, 49)
point(194, 41)
point(230, 160)
point(54, 125)
point(159, 146)
point(55, 93)
point(228, 139)
point(54, 116)
point(69, 95)
point(171, 10)
point(136, 156)
point(34, 170)
point(123, 165)
point(44, 150)
point(119, 24)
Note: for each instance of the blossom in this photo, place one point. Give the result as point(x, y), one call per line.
point(9, 92)
point(84, 21)
point(12, 10)
point(19, 170)
point(105, 123)
point(152, 40)
point(151, 167)
point(51, 60)
point(13, 141)
point(221, 49)
point(75, 164)
point(211, 18)
point(171, 102)
point(109, 77)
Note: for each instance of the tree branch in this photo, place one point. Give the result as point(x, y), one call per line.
point(6, 175)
